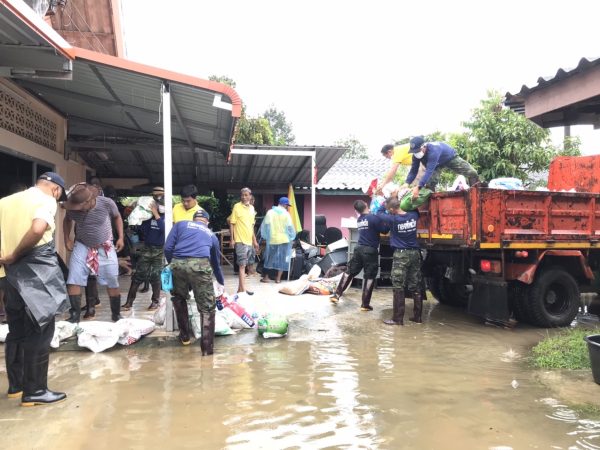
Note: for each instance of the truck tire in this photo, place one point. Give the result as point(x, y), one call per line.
point(519, 295)
point(554, 299)
point(448, 293)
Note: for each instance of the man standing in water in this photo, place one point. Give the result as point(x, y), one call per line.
point(406, 265)
point(35, 290)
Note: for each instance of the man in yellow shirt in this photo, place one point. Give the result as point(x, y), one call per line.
point(35, 287)
point(241, 228)
point(188, 206)
point(399, 155)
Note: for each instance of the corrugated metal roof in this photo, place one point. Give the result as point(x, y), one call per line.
point(353, 174)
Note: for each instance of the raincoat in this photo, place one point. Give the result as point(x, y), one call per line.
point(278, 231)
point(40, 282)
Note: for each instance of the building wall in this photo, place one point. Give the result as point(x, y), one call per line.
point(333, 207)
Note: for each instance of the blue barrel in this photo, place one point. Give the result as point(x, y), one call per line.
point(593, 343)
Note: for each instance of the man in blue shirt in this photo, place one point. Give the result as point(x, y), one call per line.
point(193, 253)
point(406, 265)
point(365, 256)
point(150, 263)
point(435, 156)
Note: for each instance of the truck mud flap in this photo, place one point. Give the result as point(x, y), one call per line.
point(489, 299)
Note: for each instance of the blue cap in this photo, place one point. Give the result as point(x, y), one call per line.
point(56, 179)
point(416, 143)
point(284, 201)
point(201, 214)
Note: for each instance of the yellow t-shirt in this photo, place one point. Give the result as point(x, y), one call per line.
point(180, 213)
point(401, 155)
point(242, 218)
point(18, 211)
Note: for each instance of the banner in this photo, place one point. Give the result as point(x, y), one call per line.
point(294, 209)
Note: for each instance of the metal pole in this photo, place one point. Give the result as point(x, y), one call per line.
point(313, 182)
point(168, 177)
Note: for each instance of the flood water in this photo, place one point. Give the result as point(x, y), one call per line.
point(341, 379)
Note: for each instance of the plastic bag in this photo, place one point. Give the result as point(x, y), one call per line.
point(314, 272)
point(506, 183)
point(97, 336)
point(195, 321)
point(141, 212)
point(131, 330)
point(62, 330)
point(408, 204)
point(272, 326)
point(160, 314)
point(166, 279)
point(245, 319)
point(377, 204)
point(3, 332)
point(222, 327)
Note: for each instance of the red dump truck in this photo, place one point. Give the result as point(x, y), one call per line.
point(517, 254)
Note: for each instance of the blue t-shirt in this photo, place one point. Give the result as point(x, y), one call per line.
point(403, 229)
point(438, 154)
point(153, 231)
point(369, 227)
point(190, 239)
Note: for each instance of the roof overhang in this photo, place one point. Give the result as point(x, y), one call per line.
point(571, 97)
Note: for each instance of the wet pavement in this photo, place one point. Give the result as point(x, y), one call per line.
point(340, 379)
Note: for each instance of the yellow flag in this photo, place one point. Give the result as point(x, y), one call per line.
point(294, 209)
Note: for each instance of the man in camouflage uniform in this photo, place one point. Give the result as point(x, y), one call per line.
point(406, 265)
point(193, 253)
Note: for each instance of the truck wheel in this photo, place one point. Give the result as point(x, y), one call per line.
point(519, 295)
point(448, 293)
point(554, 299)
point(434, 286)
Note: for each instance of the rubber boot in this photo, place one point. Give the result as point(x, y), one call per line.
point(75, 311)
point(183, 320)
point(90, 308)
point(367, 291)
point(145, 288)
point(208, 333)
point(131, 295)
point(417, 308)
point(115, 308)
point(156, 285)
point(399, 305)
point(13, 356)
point(91, 291)
point(341, 287)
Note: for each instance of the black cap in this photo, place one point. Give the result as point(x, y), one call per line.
point(416, 143)
point(201, 214)
point(56, 179)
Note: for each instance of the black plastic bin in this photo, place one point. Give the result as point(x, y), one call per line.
point(593, 343)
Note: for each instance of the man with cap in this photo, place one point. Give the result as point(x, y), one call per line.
point(192, 250)
point(150, 262)
point(399, 155)
point(35, 289)
point(92, 250)
point(243, 240)
point(435, 156)
point(278, 231)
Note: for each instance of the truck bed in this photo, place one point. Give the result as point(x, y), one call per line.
point(496, 218)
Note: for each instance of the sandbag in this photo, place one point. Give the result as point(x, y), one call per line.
point(141, 212)
point(160, 314)
point(62, 330)
point(131, 330)
point(272, 326)
point(222, 327)
point(408, 204)
point(97, 336)
point(194, 317)
point(295, 287)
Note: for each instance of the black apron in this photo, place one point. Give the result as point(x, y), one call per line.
point(40, 282)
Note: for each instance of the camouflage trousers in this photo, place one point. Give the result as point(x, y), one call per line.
point(406, 269)
point(197, 274)
point(457, 165)
point(149, 265)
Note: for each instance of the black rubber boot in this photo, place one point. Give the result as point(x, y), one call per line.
point(417, 307)
point(13, 356)
point(131, 295)
point(145, 288)
point(399, 305)
point(156, 285)
point(183, 320)
point(91, 292)
point(341, 287)
point(115, 308)
point(75, 311)
point(208, 333)
point(90, 308)
point(367, 291)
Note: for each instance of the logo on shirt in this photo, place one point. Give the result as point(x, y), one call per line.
point(362, 223)
point(407, 226)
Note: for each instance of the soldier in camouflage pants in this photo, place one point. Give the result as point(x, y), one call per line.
point(456, 165)
point(197, 273)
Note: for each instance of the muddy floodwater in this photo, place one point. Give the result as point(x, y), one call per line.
point(341, 379)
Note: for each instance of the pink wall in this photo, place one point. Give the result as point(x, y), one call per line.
point(334, 207)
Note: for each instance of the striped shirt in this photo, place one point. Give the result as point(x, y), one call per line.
point(93, 227)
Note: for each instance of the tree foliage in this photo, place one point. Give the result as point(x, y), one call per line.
point(356, 149)
point(281, 128)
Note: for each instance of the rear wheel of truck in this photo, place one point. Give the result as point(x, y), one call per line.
point(554, 299)
point(448, 293)
point(519, 295)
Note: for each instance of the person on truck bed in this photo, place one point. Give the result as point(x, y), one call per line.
point(436, 156)
point(406, 264)
point(399, 155)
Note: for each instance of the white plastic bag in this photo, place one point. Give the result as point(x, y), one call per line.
point(62, 330)
point(314, 272)
point(3, 332)
point(194, 316)
point(97, 336)
point(131, 330)
point(506, 183)
point(222, 327)
point(141, 212)
point(161, 313)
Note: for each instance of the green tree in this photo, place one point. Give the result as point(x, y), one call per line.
point(281, 128)
point(502, 143)
point(222, 79)
point(356, 150)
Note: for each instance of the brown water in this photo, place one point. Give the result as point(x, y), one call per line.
point(339, 380)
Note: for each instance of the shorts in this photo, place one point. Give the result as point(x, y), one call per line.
point(108, 270)
point(242, 253)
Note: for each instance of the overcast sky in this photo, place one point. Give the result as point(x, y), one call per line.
point(377, 70)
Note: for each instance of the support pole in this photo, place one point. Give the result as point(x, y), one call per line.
point(168, 180)
point(313, 181)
